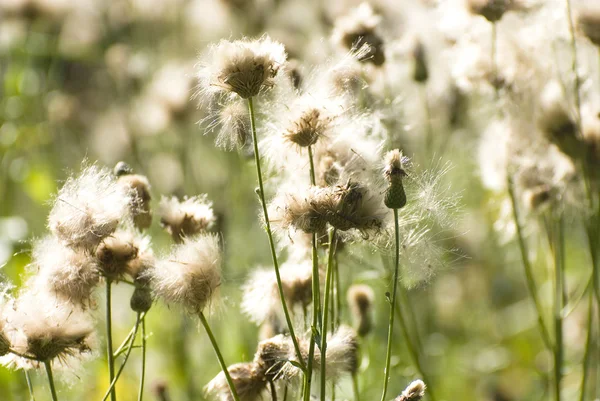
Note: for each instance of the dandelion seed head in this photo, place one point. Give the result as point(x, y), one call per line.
point(190, 275)
point(415, 391)
point(186, 218)
point(69, 274)
point(359, 28)
point(44, 330)
point(247, 380)
point(88, 208)
point(243, 67)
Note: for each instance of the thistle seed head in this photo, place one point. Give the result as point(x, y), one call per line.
point(358, 29)
point(589, 22)
point(247, 380)
point(186, 218)
point(414, 392)
point(491, 10)
point(308, 127)
point(360, 299)
point(139, 187)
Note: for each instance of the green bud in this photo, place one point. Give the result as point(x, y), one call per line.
point(141, 299)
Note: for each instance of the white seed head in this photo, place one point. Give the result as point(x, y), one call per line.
point(589, 22)
point(140, 200)
point(70, 275)
point(272, 355)
point(88, 208)
point(124, 252)
point(243, 67)
point(231, 121)
point(186, 218)
point(190, 275)
point(414, 392)
point(360, 299)
point(247, 380)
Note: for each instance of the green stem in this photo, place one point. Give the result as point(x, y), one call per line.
point(109, 344)
point(270, 235)
point(332, 239)
point(388, 357)
point(315, 319)
point(29, 385)
point(113, 382)
point(404, 299)
point(143, 372)
point(338, 296)
point(273, 391)
point(50, 380)
point(531, 285)
point(558, 306)
point(588, 350)
point(355, 387)
point(219, 356)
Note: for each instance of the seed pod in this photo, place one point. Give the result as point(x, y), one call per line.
point(421, 71)
point(141, 299)
point(395, 196)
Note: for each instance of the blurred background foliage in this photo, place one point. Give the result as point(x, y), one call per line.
point(110, 80)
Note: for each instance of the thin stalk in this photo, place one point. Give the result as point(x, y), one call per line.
point(588, 350)
point(315, 319)
point(143, 372)
point(29, 385)
point(574, 65)
point(355, 387)
point(270, 235)
point(113, 382)
point(50, 380)
point(404, 299)
point(109, 344)
point(338, 296)
point(219, 356)
point(332, 239)
point(530, 280)
point(558, 306)
point(388, 358)
point(273, 391)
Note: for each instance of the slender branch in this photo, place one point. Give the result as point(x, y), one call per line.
point(558, 305)
point(109, 344)
point(273, 391)
point(530, 280)
point(588, 349)
point(332, 244)
point(143, 372)
point(315, 319)
point(219, 357)
point(50, 380)
point(270, 234)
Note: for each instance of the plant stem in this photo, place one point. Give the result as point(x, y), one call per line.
point(143, 372)
point(558, 306)
point(531, 285)
point(404, 299)
point(50, 380)
point(338, 296)
point(109, 344)
point(355, 387)
point(315, 319)
point(270, 235)
point(332, 243)
point(113, 382)
point(388, 357)
point(588, 349)
point(29, 385)
point(273, 391)
point(219, 356)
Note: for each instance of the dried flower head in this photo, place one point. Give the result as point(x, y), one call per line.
point(589, 22)
point(190, 275)
point(248, 381)
point(243, 67)
point(360, 299)
point(393, 171)
point(272, 356)
point(298, 209)
point(185, 219)
point(414, 392)
point(42, 330)
point(68, 274)
point(139, 185)
point(491, 10)
point(310, 124)
point(88, 208)
point(359, 28)
point(261, 299)
point(120, 253)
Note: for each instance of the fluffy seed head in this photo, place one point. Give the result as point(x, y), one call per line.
point(395, 164)
point(272, 356)
point(190, 275)
point(187, 218)
point(306, 129)
point(298, 209)
point(247, 380)
point(395, 197)
point(139, 206)
point(491, 10)
point(68, 274)
point(589, 22)
point(88, 208)
point(118, 254)
point(44, 330)
point(233, 125)
point(360, 299)
point(243, 67)
point(359, 28)
point(414, 392)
